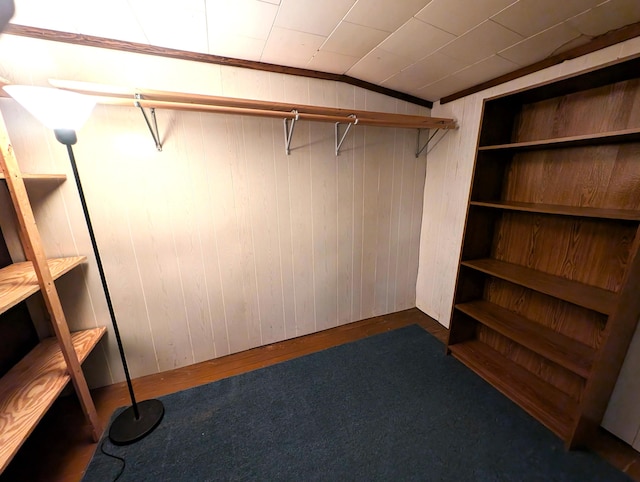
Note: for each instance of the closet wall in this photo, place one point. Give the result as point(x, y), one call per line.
point(448, 178)
point(221, 242)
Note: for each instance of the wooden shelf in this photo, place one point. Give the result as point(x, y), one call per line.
point(600, 138)
point(18, 281)
point(591, 297)
point(31, 386)
point(541, 400)
point(584, 212)
point(564, 351)
point(40, 177)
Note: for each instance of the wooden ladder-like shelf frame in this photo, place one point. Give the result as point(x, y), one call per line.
point(29, 389)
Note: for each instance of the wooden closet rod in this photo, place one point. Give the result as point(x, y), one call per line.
point(209, 103)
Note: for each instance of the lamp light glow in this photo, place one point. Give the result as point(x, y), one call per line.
point(55, 108)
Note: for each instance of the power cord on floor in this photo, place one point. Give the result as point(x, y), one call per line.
point(124, 463)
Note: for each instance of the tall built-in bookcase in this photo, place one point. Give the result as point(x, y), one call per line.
point(547, 297)
point(31, 386)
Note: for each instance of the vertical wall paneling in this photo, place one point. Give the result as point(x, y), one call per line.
point(221, 242)
point(324, 220)
point(301, 195)
point(446, 190)
point(345, 184)
point(283, 213)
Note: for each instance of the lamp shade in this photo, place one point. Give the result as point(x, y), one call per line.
point(55, 108)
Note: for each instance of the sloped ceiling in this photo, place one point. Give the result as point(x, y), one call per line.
point(425, 48)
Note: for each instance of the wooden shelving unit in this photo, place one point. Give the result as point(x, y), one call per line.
point(546, 295)
point(19, 281)
point(30, 387)
point(40, 177)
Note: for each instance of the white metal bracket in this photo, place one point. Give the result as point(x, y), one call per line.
point(420, 149)
point(153, 129)
point(288, 131)
point(344, 135)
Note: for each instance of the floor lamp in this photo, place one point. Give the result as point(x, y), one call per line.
point(64, 112)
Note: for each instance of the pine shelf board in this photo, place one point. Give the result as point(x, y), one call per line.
point(577, 211)
point(541, 400)
point(39, 177)
point(600, 138)
point(29, 389)
point(591, 297)
point(566, 352)
point(18, 281)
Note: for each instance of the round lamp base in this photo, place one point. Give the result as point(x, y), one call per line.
point(126, 429)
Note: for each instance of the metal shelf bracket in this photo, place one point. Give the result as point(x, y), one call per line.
point(153, 129)
point(288, 131)
point(420, 149)
point(344, 135)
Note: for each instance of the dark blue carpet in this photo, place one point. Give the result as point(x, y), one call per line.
point(388, 407)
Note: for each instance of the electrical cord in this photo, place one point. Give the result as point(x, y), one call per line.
point(121, 459)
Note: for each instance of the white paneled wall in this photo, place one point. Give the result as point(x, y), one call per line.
point(221, 242)
point(447, 185)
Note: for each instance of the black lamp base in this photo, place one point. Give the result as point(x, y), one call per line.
point(125, 429)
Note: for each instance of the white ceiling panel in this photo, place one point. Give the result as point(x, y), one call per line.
point(187, 21)
point(422, 47)
point(378, 65)
point(114, 19)
point(247, 18)
point(416, 39)
point(528, 17)
point(459, 16)
point(384, 14)
point(607, 16)
point(237, 47)
point(353, 40)
point(486, 69)
point(479, 43)
point(424, 72)
point(442, 87)
point(290, 47)
point(312, 16)
point(46, 14)
point(331, 62)
point(542, 45)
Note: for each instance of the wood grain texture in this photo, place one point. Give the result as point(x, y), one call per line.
point(31, 386)
point(543, 368)
point(562, 159)
point(585, 212)
point(611, 184)
point(41, 177)
point(322, 111)
point(572, 114)
point(580, 324)
point(548, 343)
point(597, 299)
point(35, 253)
point(18, 281)
point(600, 177)
point(587, 251)
point(546, 403)
point(599, 138)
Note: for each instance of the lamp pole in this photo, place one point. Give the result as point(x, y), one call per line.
point(138, 420)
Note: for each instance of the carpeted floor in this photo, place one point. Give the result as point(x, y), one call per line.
point(389, 407)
